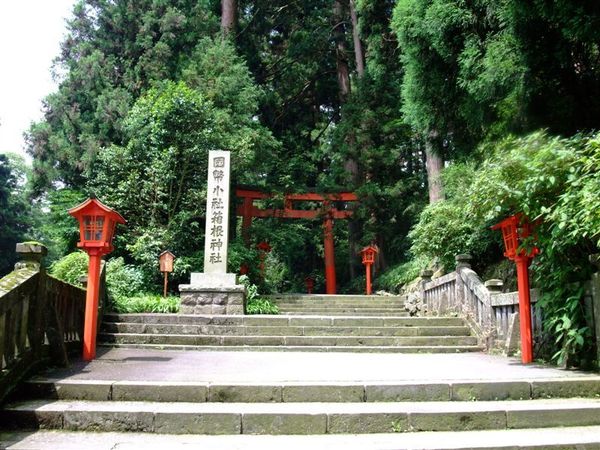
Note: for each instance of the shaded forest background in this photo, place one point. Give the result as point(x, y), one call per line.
point(430, 110)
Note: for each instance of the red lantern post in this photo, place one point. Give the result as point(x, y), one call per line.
point(368, 258)
point(263, 249)
point(514, 230)
point(310, 284)
point(97, 223)
point(165, 261)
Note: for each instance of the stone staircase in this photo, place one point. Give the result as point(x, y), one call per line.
point(307, 323)
point(393, 412)
point(390, 382)
point(340, 305)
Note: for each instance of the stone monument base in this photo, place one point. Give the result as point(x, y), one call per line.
point(212, 294)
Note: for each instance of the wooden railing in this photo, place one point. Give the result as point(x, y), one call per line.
point(41, 318)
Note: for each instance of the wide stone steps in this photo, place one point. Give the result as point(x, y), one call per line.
point(288, 332)
point(226, 340)
point(366, 305)
point(344, 311)
point(299, 418)
point(489, 411)
point(249, 330)
point(285, 320)
point(310, 392)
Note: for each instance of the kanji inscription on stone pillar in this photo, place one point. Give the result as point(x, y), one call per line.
point(217, 213)
point(214, 291)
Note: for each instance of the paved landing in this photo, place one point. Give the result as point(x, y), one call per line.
point(260, 367)
point(547, 438)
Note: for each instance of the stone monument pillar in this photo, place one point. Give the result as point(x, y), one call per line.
point(215, 291)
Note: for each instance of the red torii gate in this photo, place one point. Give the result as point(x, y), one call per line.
point(328, 212)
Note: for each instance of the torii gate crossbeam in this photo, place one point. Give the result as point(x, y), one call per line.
point(247, 210)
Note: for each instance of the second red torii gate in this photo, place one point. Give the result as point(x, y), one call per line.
point(247, 210)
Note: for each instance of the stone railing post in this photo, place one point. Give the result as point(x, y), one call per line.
point(31, 256)
point(595, 289)
point(425, 275)
point(462, 261)
point(494, 286)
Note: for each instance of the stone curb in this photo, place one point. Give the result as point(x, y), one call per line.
point(300, 418)
point(468, 390)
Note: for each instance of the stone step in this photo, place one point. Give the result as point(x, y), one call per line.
point(335, 298)
point(299, 418)
point(307, 392)
point(367, 304)
point(302, 348)
point(285, 320)
point(581, 438)
point(383, 308)
point(290, 341)
point(345, 311)
point(248, 330)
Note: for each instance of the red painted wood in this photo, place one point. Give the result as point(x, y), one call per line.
point(330, 282)
point(91, 306)
point(247, 210)
point(524, 309)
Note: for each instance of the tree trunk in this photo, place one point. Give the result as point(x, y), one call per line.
point(343, 76)
point(228, 15)
point(435, 165)
point(341, 53)
point(358, 48)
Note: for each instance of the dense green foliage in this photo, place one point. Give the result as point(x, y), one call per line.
point(16, 211)
point(146, 303)
point(71, 268)
point(148, 88)
point(553, 181)
point(254, 303)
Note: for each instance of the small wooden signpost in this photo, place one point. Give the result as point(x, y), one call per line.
point(165, 260)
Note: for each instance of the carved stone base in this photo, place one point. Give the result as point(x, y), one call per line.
point(212, 300)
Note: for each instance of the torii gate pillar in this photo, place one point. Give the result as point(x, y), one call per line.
point(330, 282)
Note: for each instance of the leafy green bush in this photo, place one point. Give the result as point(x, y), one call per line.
point(551, 180)
point(255, 304)
point(554, 181)
point(446, 228)
point(146, 303)
point(261, 306)
point(123, 280)
point(71, 268)
point(397, 276)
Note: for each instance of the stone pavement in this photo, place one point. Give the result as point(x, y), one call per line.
point(579, 438)
point(277, 400)
point(119, 364)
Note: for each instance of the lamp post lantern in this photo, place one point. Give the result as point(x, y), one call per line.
point(368, 258)
point(310, 284)
point(97, 223)
point(263, 248)
point(514, 230)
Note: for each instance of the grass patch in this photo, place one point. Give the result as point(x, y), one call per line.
point(259, 305)
point(146, 303)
